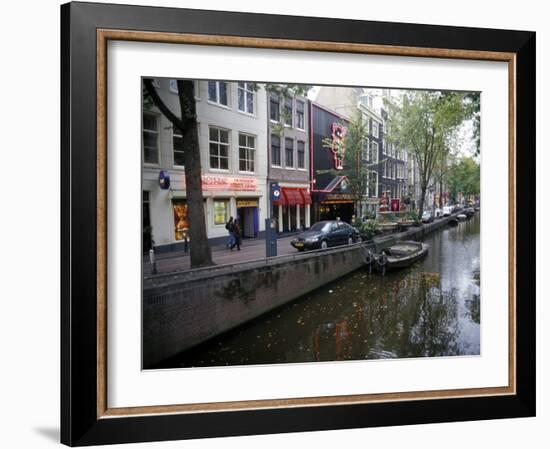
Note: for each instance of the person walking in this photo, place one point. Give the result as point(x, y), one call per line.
point(229, 227)
point(237, 235)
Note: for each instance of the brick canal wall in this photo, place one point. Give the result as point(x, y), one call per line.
point(181, 311)
point(185, 309)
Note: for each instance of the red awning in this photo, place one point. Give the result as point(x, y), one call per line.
point(293, 196)
point(305, 196)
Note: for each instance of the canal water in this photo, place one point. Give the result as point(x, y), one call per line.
point(427, 310)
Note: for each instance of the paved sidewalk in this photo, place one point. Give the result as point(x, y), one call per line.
point(252, 249)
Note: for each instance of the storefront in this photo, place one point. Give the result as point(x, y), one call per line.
point(292, 209)
point(331, 191)
point(247, 214)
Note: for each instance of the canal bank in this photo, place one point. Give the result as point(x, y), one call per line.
point(183, 310)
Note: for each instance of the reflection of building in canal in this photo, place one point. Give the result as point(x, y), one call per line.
point(232, 134)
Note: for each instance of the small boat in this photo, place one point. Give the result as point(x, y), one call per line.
point(462, 216)
point(400, 255)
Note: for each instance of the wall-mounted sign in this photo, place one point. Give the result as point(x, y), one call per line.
point(275, 192)
point(247, 203)
point(221, 182)
point(338, 145)
point(164, 180)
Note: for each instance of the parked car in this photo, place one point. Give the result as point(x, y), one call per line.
point(324, 234)
point(427, 216)
point(438, 213)
point(447, 210)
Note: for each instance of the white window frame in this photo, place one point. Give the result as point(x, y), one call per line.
point(157, 132)
point(375, 126)
point(303, 114)
point(293, 151)
point(248, 150)
point(219, 143)
point(376, 184)
point(366, 149)
point(280, 165)
point(246, 91)
point(176, 133)
point(217, 101)
point(283, 116)
point(305, 152)
point(271, 94)
point(374, 152)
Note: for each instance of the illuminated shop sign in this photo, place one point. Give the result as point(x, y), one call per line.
point(220, 182)
point(338, 147)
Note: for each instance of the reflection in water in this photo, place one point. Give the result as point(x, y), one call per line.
point(431, 309)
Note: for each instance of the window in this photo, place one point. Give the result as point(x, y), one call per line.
point(287, 112)
point(219, 148)
point(275, 150)
point(274, 107)
point(247, 150)
point(245, 93)
point(365, 151)
point(177, 141)
point(221, 211)
point(289, 152)
point(181, 221)
point(300, 120)
point(150, 139)
point(373, 152)
point(174, 87)
point(301, 150)
point(218, 92)
point(372, 189)
point(375, 129)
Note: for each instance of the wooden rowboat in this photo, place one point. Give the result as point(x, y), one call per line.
point(400, 255)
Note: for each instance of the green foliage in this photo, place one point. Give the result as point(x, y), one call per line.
point(426, 123)
point(464, 177)
point(350, 149)
point(369, 228)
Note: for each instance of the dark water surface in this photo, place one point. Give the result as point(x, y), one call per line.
point(430, 309)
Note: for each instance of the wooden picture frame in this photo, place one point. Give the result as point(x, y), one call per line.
point(86, 30)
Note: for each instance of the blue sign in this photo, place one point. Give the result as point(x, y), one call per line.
point(275, 192)
point(164, 180)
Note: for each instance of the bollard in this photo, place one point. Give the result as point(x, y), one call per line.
point(153, 261)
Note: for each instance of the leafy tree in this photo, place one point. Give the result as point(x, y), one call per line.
point(465, 177)
point(426, 123)
point(186, 122)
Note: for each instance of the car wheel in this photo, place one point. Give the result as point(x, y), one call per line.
point(324, 244)
point(350, 240)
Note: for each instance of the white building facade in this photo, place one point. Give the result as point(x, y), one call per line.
point(232, 133)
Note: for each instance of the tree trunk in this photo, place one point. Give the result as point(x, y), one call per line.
point(198, 240)
point(200, 254)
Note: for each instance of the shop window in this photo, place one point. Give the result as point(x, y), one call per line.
point(150, 138)
point(219, 148)
point(247, 152)
point(221, 212)
point(181, 219)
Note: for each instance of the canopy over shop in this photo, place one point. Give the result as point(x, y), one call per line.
point(291, 210)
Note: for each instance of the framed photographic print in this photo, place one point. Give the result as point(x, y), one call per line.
point(277, 224)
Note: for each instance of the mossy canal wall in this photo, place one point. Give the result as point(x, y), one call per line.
point(185, 309)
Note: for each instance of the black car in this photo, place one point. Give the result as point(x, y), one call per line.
point(324, 234)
